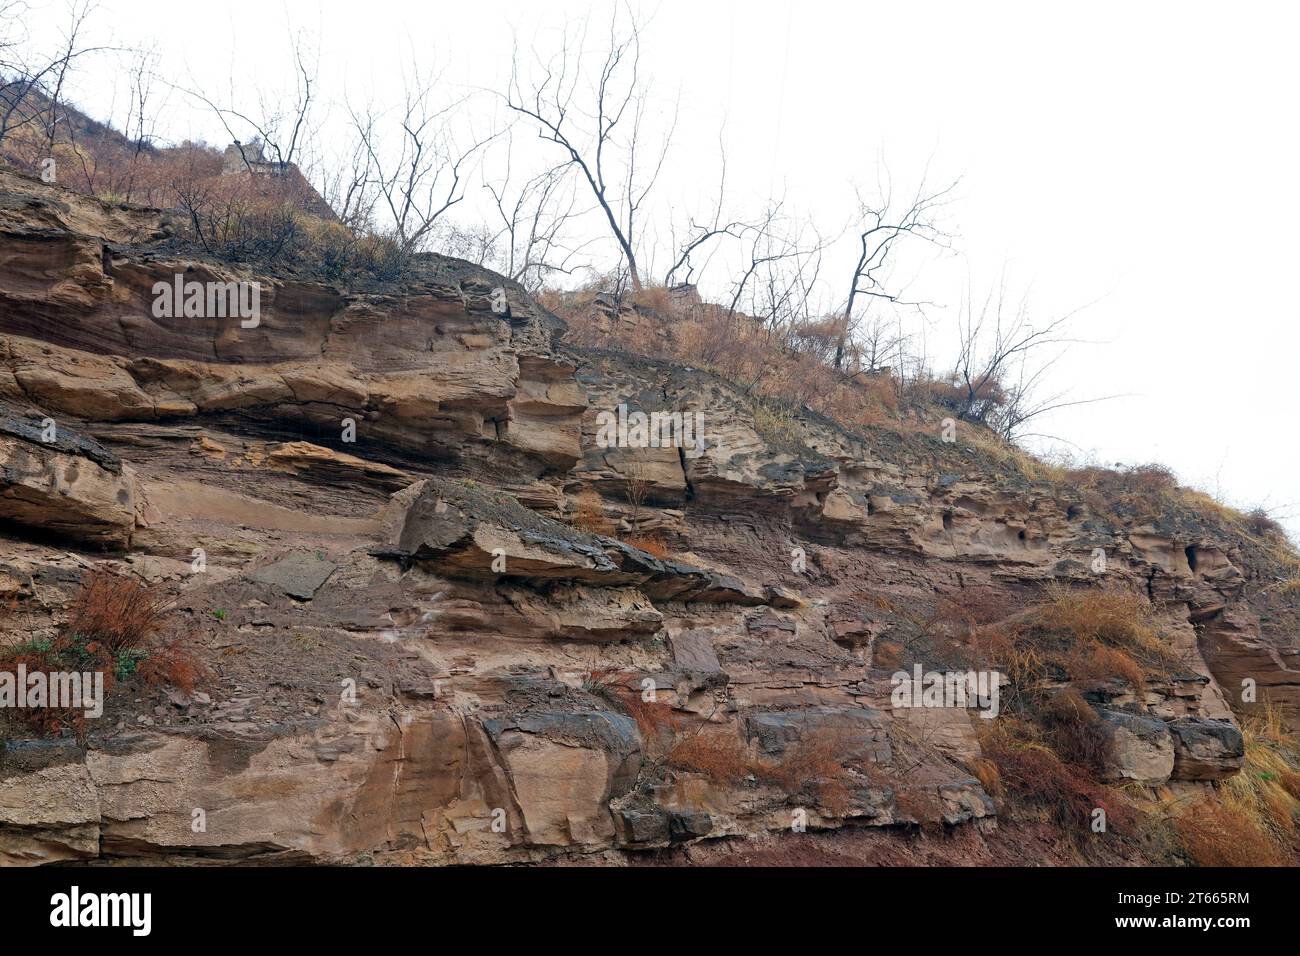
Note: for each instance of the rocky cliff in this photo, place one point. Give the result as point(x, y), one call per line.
point(437, 620)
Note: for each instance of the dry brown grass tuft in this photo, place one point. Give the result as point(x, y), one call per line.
point(1219, 834)
point(1267, 790)
point(816, 765)
point(1114, 618)
point(115, 612)
point(717, 754)
point(1099, 663)
point(1074, 731)
point(990, 778)
point(1036, 775)
point(589, 514)
point(112, 621)
point(650, 544)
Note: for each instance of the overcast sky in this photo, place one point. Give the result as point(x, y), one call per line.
point(1140, 159)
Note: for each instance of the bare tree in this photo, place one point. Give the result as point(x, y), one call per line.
point(279, 128)
point(781, 269)
point(607, 148)
point(534, 222)
point(879, 341)
point(139, 125)
point(425, 173)
point(880, 226)
point(347, 186)
point(1001, 362)
point(701, 234)
point(31, 88)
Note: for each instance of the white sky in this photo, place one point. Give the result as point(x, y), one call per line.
point(1138, 157)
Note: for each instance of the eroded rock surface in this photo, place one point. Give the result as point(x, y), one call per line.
point(365, 512)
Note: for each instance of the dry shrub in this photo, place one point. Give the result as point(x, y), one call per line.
point(816, 764)
point(1143, 491)
point(602, 682)
point(718, 755)
point(111, 624)
point(115, 612)
point(881, 391)
point(171, 665)
point(979, 404)
point(650, 544)
point(1267, 790)
point(1220, 834)
point(1074, 731)
point(1022, 665)
point(654, 298)
point(1036, 775)
point(1099, 663)
point(589, 514)
point(777, 363)
point(48, 657)
point(1113, 617)
point(656, 720)
point(1263, 525)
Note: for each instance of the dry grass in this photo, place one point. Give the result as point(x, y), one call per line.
point(1022, 664)
point(1142, 491)
point(1222, 834)
point(111, 624)
point(1254, 817)
point(650, 544)
point(1097, 663)
point(1266, 789)
point(1035, 775)
point(1074, 731)
point(114, 612)
point(816, 766)
point(785, 366)
point(1110, 617)
point(589, 514)
point(990, 778)
point(718, 754)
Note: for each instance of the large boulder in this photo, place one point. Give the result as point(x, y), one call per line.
point(564, 768)
point(858, 733)
point(1206, 749)
point(70, 488)
point(1141, 748)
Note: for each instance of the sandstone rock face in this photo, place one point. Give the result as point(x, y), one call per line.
point(1142, 748)
point(372, 517)
point(69, 486)
point(1206, 749)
